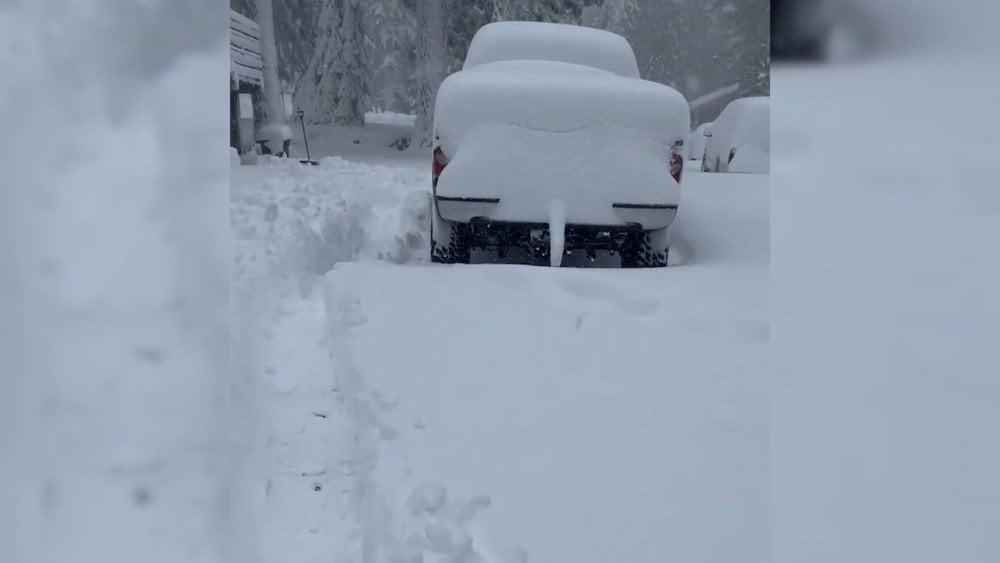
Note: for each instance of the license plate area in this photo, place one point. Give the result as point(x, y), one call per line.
point(497, 235)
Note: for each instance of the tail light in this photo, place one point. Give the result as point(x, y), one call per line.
point(676, 165)
point(438, 164)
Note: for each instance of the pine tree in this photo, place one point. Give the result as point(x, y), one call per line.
point(334, 86)
point(352, 91)
point(391, 49)
point(295, 29)
point(612, 15)
point(430, 67)
point(754, 56)
point(246, 8)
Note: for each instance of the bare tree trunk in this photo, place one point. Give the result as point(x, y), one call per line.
point(430, 66)
point(352, 91)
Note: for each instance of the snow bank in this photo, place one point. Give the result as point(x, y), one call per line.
point(507, 41)
point(750, 160)
point(555, 97)
point(290, 219)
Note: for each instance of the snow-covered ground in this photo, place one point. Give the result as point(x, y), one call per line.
point(884, 293)
point(394, 407)
point(371, 143)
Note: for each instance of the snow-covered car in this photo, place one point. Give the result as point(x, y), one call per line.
point(740, 138)
point(548, 140)
point(695, 145)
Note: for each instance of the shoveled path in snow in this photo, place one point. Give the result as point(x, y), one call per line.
point(611, 415)
point(601, 414)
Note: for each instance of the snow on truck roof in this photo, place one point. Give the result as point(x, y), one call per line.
point(556, 97)
point(507, 41)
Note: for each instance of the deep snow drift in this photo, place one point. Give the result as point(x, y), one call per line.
point(301, 219)
point(500, 411)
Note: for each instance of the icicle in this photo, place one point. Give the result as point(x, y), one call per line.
point(557, 232)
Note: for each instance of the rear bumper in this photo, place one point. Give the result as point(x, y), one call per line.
point(649, 216)
point(464, 209)
point(644, 216)
point(495, 235)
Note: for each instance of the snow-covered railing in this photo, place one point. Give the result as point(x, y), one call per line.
point(246, 64)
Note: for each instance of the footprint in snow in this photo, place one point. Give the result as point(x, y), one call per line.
point(439, 528)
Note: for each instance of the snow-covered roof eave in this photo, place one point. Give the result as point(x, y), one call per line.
point(246, 62)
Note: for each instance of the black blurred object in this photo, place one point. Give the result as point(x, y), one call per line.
point(799, 30)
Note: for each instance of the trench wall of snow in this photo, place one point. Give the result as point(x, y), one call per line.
point(311, 430)
point(295, 220)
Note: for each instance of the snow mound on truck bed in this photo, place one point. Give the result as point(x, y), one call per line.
point(588, 170)
point(507, 41)
point(556, 97)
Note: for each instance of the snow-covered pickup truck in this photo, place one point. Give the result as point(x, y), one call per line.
point(548, 140)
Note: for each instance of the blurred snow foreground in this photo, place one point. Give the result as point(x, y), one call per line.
point(395, 410)
point(114, 299)
point(886, 384)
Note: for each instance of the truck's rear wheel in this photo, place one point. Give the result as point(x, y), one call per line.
point(451, 242)
point(646, 249)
